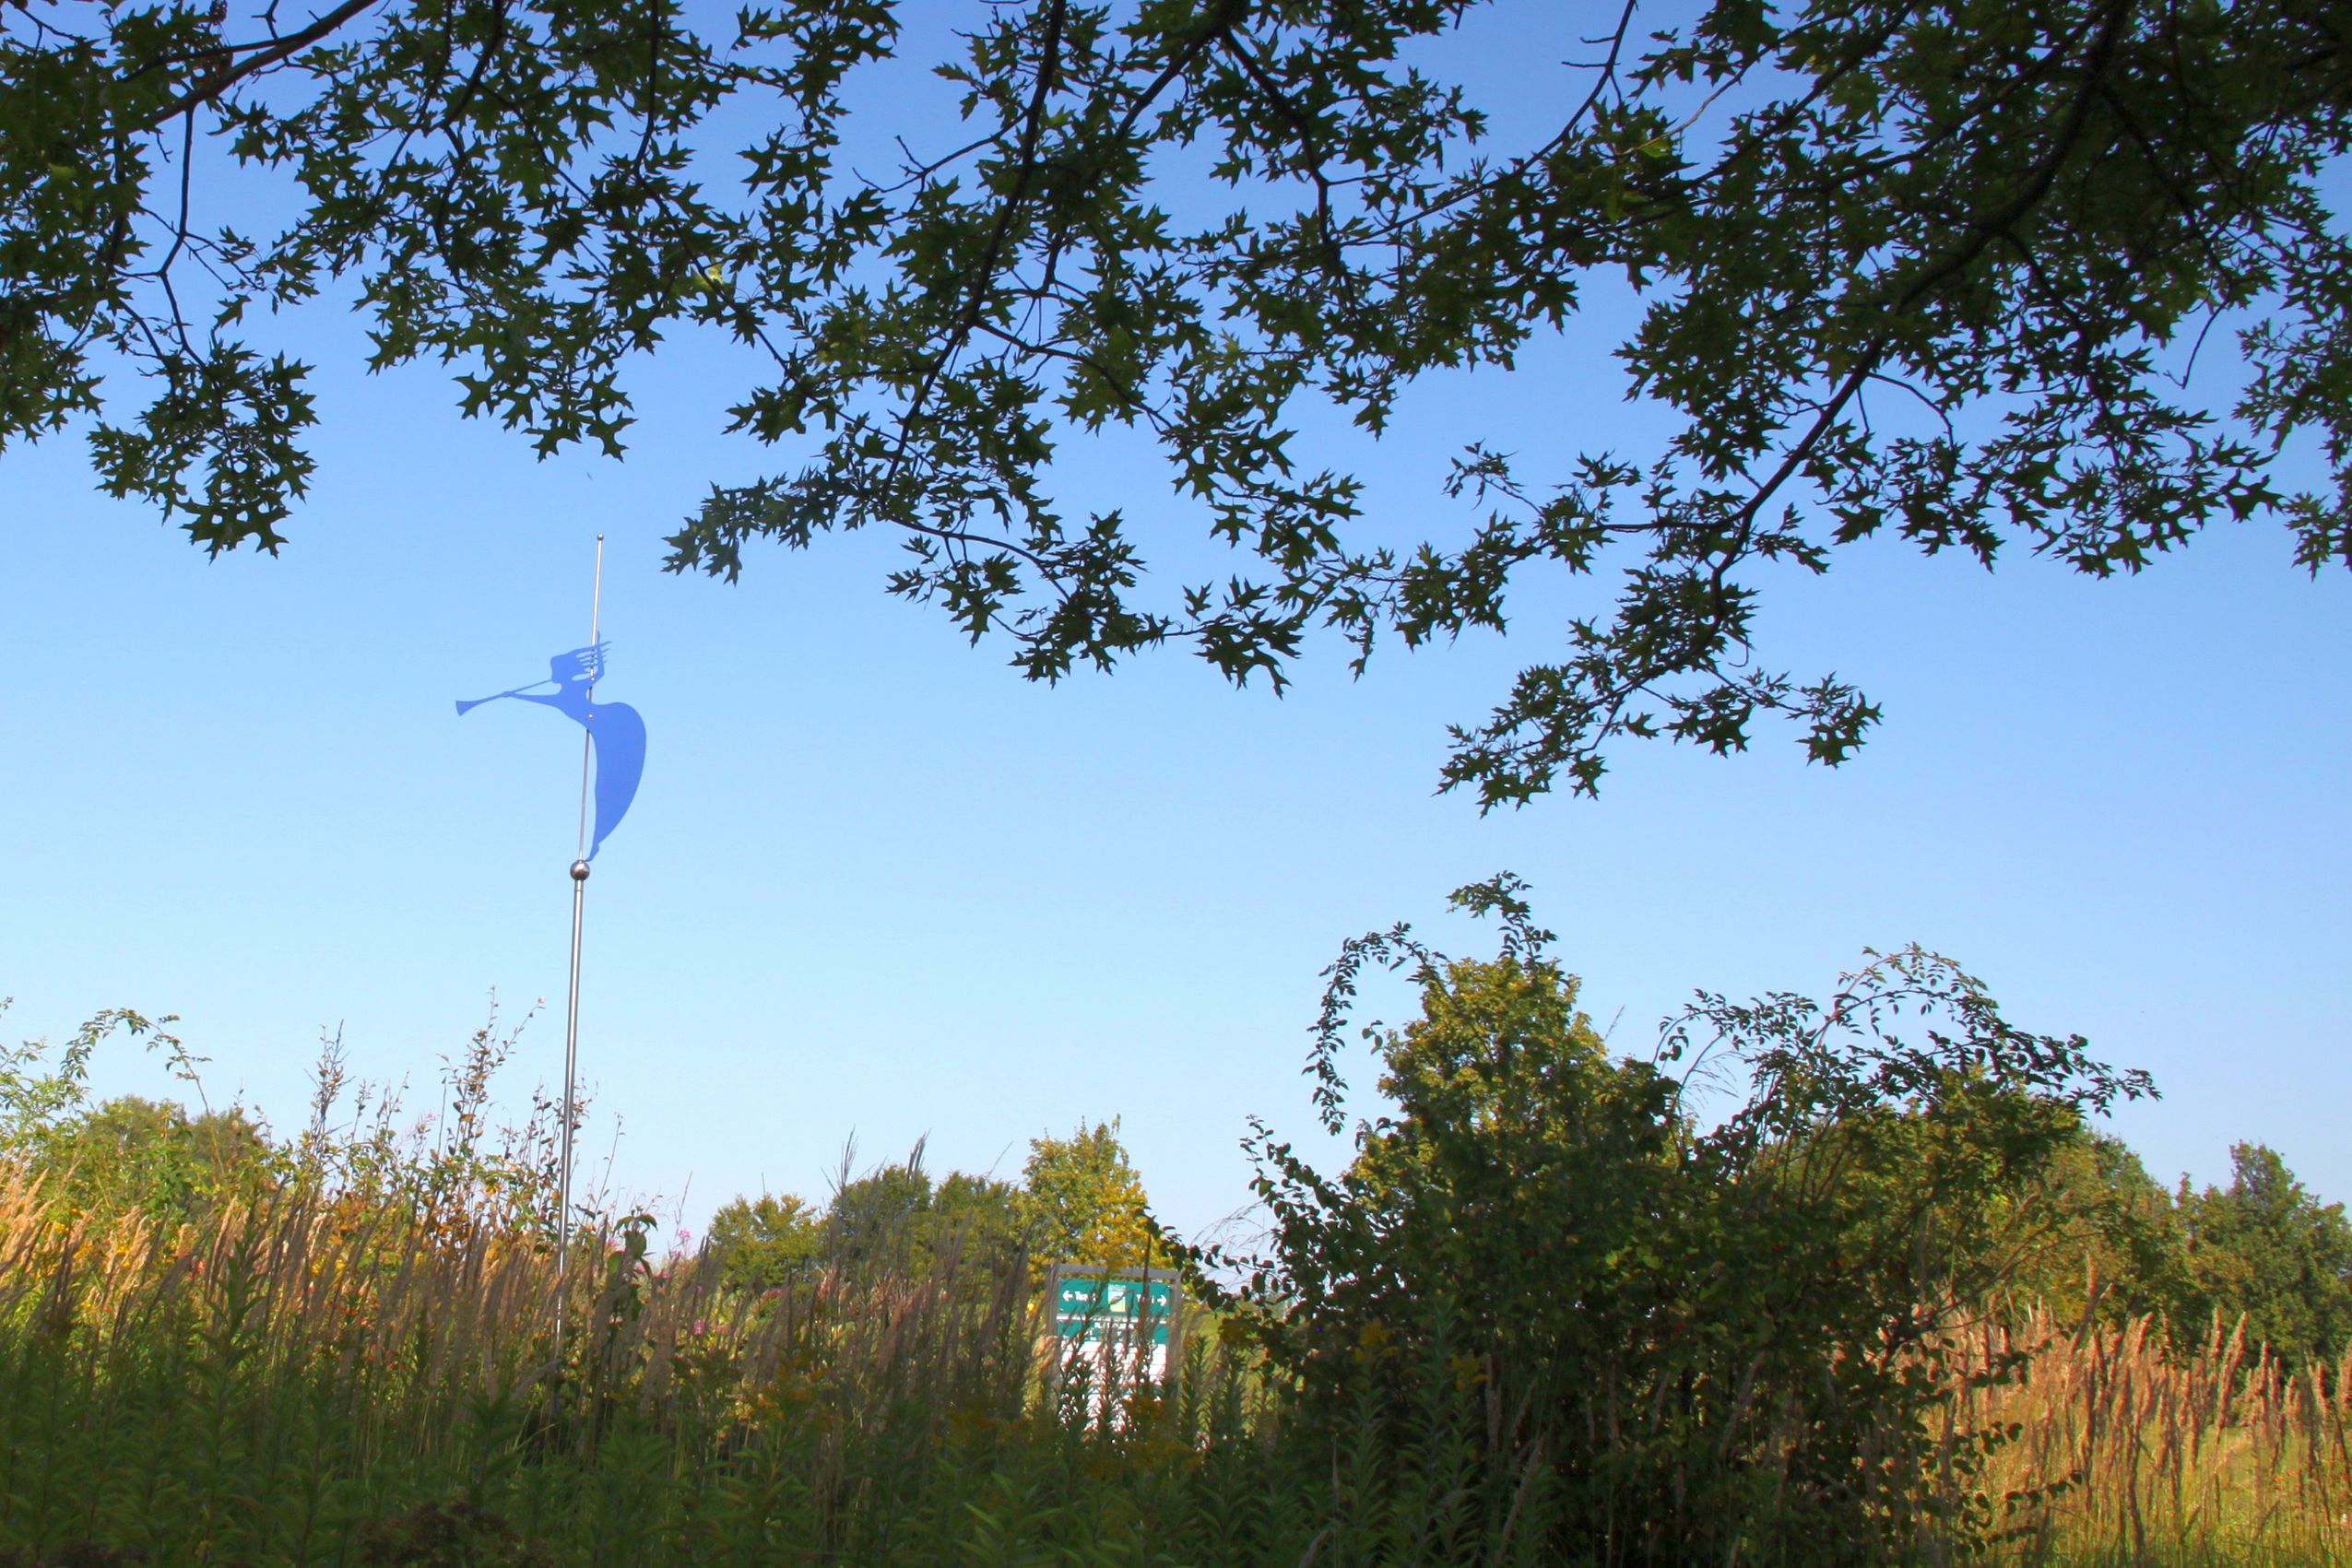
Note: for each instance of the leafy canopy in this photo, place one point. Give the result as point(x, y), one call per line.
point(1933, 271)
point(1084, 1202)
point(1079, 1199)
point(2266, 1248)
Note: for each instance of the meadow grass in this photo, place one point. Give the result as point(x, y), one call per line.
point(309, 1379)
point(306, 1380)
point(312, 1382)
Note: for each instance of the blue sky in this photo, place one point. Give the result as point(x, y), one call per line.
point(876, 885)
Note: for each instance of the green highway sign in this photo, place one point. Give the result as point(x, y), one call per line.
point(1098, 1306)
point(1115, 1328)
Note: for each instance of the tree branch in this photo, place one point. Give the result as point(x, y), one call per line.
point(219, 81)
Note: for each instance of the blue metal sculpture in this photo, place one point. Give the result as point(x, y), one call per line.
point(615, 746)
point(615, 732)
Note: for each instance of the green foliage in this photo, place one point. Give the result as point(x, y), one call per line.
point(1630, 1338)
point(506, 185)
point(1931, 271)
point(977, 1217)
point(1082, 1202)
point(144, 1156)
point(897, 1217)
point(459, 1536)
point(2266, 1248)
point(2262, 1254)
point(129, 1154)
point(1548, 1314)
point(875, 1217)
point(1078, 1199)
point(162, 1161)
point(765, 1244)
point(1558, 1307)
point(294, 1393)
point(2113, 1247)
point(38, 1097)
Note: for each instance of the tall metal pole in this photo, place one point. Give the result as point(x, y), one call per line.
point(571, 1008)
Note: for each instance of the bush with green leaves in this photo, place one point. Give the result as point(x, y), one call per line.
point(1559, 1307)
point(129, 1154)
point(1627, 1334)
point(2110, 1244)
point(764, 1242)
point(899, 1217)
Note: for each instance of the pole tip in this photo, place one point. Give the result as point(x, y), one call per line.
point(579, 870)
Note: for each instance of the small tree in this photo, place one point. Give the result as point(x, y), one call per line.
point(1083, 1201)
point(2266, 1247)
point(128, 1153)
point(765, 1242)
point(878, 1218)
point(897, 1217)
point(976, 1218)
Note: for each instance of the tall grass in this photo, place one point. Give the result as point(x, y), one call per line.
point(2124, 1445)
point(305, 1381)
point(313, 1379)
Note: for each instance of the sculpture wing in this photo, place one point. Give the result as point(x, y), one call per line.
point(619, 738)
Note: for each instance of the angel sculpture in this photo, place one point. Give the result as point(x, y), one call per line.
point(615, 732)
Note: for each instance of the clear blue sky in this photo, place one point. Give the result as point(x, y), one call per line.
point(875, 884)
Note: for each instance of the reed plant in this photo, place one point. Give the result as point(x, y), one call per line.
point(2124, 1444)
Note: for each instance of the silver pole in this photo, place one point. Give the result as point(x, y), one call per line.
point(571, 1007)
point(570, 1070)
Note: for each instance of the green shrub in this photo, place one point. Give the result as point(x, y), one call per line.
point(1588, 1328)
